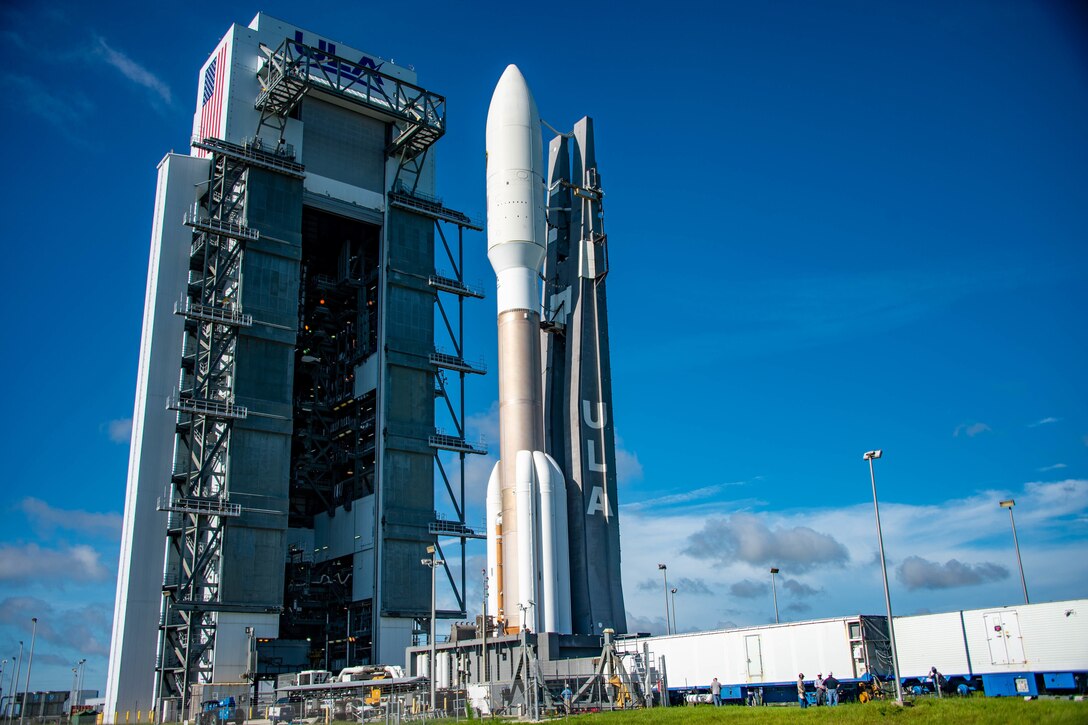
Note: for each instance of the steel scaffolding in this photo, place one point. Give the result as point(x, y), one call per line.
point(402, 197)
point(206, 411)
point(199, 501)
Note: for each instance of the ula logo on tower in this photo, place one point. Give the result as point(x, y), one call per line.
point(326, 56)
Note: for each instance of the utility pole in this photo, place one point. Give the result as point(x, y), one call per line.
point(1008, 504)
point(433, 562)
point(870, 456)
point(774, 592)
point(29, 665)
point(15, 681)
point(668, 620)
point(483, 640)
point(79, 685)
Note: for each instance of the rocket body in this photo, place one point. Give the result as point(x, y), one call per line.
point(528, 559)
point(578, 423)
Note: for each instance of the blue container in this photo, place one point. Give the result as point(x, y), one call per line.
point(1059, 681)
point(1010, 684)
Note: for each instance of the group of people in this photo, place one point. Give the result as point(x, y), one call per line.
point(827, 690)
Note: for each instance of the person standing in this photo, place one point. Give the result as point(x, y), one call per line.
point(801, 691)
point(832, 686)
point(821, 690)
point(567, 696)
point(716, 692)
point(938, 680)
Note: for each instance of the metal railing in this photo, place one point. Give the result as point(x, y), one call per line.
point(210, 408)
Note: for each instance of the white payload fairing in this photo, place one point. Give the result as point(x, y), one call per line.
point(527, 542)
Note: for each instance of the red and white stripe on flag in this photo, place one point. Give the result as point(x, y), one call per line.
point(212, 91)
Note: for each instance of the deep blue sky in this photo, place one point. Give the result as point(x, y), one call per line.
point(832, 227)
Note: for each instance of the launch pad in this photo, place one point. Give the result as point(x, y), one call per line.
point(526, 674)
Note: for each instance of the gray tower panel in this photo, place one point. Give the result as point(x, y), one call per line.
point(407, 501)
point(343, 145)
point(254, 544)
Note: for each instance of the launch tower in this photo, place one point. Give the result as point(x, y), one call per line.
point(281, 481)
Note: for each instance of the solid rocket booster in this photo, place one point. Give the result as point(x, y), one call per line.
point(527, 554)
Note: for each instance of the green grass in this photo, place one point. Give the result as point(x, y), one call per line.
point(970, 711)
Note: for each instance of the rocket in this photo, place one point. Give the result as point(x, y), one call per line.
point(527, 544)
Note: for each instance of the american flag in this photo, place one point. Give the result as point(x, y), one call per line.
point(211, 104)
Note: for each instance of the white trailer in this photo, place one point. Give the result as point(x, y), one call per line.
point(772, 656)
point(1013, 649)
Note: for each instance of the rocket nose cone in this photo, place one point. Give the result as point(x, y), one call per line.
point(512, 103)
point(510, 79)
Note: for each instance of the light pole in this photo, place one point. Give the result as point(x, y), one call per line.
point(483, 630)
point(774, 593)
point(668, 622)
point(870, 456)
point(79, 685)
point(29, 664)
point(673, 590)
point(75, 682)
point(432, 563)
point(1008, 504)
point(15, 681)
point(3, 666)
point(532, 697)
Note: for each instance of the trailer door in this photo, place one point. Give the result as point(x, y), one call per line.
point(1003, 637)
point(755, 657)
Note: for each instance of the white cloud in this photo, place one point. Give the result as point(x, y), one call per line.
point(918, 573)
point(628, 467)
point(653, 625)
point(1051, 518)
point(970, 429)
point(1044, 500)
point(748, 589)
point(1044, 421)
point(484, 426)
point(683, 585)
point(746, 538)
point(1055, 467)
point(692, 586)
point(120, 430)
point(46, 519)
point(31, 562)
point(698, 495)
point(798, 589)
point(84, 629)
point(132, 70)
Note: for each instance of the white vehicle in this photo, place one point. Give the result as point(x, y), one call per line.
point(368, 672)
point(1007, 651)
point(285, 709)
point(769, 658)
point(1015, 650)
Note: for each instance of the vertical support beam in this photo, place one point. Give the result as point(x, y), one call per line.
point(205, 412)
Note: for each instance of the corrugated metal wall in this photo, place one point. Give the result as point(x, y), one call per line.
point(343, 145)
